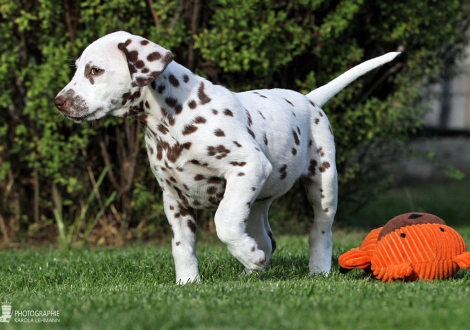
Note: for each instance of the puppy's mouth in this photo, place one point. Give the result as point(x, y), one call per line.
point(81, 119)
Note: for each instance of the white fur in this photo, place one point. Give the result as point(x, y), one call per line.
point(211, 148)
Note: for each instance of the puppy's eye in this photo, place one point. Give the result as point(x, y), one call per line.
point(96, 71)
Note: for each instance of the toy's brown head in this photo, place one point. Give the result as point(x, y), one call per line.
point(408, 219)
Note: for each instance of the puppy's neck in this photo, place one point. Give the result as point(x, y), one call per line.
point(174, 88)
point(173, 98)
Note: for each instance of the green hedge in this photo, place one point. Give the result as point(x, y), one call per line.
point(50, 167)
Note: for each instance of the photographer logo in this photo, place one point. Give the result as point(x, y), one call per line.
point(6, 312)
point(28, 316)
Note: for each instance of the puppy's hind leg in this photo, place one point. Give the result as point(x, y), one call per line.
point(257, 226)
point(322, 190)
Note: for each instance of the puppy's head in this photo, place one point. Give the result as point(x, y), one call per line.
point(110, 75)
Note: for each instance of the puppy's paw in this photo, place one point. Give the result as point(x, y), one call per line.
point(253, 258)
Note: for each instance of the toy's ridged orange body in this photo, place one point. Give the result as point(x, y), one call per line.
point(428, 255)
point(421, 250)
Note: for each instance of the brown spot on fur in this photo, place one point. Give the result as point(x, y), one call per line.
point(174, 152)
point(173, 103)
point(251, 133)
point(324, 166)
point(289, 102)
point(172, 79)
point(192, 226)
point(283, 171)
point(154, 56)
point(161, 88)
point(199, 120)
point(192, 104)
point(185, 78)
point(199, 177)
point(139, 64)
point(250, 122)
point(294, 151)
point(228, 112)
point(131, 97)
point(296, 138)
point(219, 132)
point(215, 180)
point(132, 56)
point(237, 144)
point(203, 98)
point(312, 167)
point(220, 151)
point(238, 163)
point(163, 129)
point(189, 129)
point(144, 42)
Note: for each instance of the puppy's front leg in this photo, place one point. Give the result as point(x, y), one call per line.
point(243, 186)
point(183, 230)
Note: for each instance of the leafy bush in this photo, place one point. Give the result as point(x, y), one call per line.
point(49, 166)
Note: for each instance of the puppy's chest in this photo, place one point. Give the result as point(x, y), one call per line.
point(191, 181)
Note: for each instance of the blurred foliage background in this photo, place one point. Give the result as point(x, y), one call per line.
point(70, 183)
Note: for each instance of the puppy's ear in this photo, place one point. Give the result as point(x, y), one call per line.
point(146, 60)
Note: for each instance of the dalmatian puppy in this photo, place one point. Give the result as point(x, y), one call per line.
point(210, 148)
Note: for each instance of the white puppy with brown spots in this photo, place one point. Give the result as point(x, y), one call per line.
point(211, 148)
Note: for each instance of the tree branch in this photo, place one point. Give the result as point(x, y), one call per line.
point(154, 13)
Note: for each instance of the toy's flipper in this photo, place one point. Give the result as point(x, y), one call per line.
point(370, 241)
point(355, 258)
point(463, 260)
point(394, 272)
point(400, 271)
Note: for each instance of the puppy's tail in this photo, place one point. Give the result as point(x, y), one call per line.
point(322, 94)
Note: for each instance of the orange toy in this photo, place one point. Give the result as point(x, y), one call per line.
point(409, 247)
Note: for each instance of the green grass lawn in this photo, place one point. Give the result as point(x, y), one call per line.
point(133, 287)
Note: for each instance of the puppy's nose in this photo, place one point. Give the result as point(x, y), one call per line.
point(60, 101)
